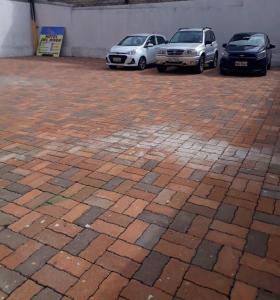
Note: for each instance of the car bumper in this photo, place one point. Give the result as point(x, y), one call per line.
point(183, 61)
point(253, 65)
point(125, 60)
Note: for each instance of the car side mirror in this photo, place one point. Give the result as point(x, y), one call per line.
point(224, 45)
point(208, 43)
point(272, 46)
point(166, 42)
point(149, 45)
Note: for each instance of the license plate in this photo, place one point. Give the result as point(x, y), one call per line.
point(173, 59)
point(241, 64)
point(117, 59)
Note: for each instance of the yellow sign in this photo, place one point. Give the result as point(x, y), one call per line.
point(50, 41)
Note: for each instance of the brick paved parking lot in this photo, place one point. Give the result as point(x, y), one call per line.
point(137, 185)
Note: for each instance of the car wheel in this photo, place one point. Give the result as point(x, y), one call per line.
point(142, 63)
point(113, 67)
point(263, 72)
point(214, 63)
point(269, 65)
point(200, 67)
point(223, 71)
point(161, 69)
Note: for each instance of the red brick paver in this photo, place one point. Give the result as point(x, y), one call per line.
point(137, 185)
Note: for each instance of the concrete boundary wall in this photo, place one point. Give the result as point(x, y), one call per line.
point(91, 31)
point(15, 29)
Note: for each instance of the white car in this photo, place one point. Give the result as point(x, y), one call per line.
point(137, 50)
point(189, 47)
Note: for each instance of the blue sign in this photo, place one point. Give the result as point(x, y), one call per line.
point(50, 42)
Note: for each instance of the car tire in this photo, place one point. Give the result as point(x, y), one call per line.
point(142, 63)
point(269, 65)
point(200, 67)
point(264, 72)
point(113, 67)
point(161, 69)
point(213, 64)
point(223, 71)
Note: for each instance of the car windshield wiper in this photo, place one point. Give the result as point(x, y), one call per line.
point(251, 45)
point(248, 45)
point(183, 42)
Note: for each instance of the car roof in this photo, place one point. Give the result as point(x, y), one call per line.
point(144, 34)
point(249, 33)
point(195, 29)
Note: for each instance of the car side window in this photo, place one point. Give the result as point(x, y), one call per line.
point(160, 40)
point(213, 38)
point(207, 36)
point(267, 42)
point(152, 40)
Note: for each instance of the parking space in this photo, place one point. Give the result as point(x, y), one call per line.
point(127, 184)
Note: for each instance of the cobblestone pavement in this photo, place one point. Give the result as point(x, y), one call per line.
point(137, 185)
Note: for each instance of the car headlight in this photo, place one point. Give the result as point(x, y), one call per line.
point(225, 54)
point(162, 52)
point(132, 52)
point(261, 55)
point(190, 52)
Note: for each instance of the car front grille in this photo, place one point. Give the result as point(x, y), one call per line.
point(173, 52)
point(242, 55)
point(118, 59)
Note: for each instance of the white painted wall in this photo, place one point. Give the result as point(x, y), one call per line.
point(15, 29)
point(91, 31)
point(58, 15)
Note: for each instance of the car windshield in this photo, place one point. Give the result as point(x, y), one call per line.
point(133, 40)
point(254, 40)
point(187, 37)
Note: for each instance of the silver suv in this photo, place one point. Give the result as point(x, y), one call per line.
point(189, 47)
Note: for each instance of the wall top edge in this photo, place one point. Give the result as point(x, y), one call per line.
point(107, 6)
